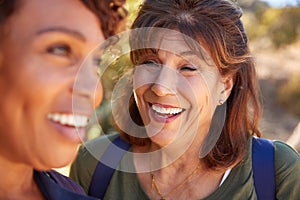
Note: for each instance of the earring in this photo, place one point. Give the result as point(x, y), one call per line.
point(221, 102)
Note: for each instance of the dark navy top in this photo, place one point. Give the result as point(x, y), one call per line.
point(55, 186)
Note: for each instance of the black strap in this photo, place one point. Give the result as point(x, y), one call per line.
point(263, 168)
point(106, 167)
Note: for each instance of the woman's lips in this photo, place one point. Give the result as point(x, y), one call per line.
point(165, 113)
point(69, 119)
point(71, 126)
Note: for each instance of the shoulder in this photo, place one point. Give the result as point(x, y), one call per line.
point(287, 169)
point(82, 169)
point(285, 155)
point(94, 149)
point(284, 147)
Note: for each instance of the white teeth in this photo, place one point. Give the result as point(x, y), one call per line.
point(68, 119)
point(170, 111)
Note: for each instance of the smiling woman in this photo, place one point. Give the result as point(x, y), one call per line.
point(42, 47)
point(191, 114)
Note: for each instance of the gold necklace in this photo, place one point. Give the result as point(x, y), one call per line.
point(163, 197)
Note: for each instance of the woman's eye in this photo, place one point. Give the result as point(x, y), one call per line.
point(150, 63)
point(188, 68)
point(60, 50)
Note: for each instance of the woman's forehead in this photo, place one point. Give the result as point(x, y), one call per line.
point(163, 39)
point(50, 10)
point(35, 16)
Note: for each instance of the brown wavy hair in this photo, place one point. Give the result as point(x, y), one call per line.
point(111, 13)
point(217, 25)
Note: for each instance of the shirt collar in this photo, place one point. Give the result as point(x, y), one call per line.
point(53, 191)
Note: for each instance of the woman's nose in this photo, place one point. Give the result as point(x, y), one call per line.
point(88, 84)
point(165, 82)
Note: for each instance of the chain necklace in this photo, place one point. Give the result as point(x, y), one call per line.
point(163, 197)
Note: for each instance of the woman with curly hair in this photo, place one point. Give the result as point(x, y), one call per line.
point(42, 48)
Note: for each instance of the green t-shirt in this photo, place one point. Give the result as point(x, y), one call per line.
point(238, 185)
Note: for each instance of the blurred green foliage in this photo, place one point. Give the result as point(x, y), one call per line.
point(109, 79)
point(280, 25)
point(132, 6)
point(285, 28)
point(116, 62)
point(289, 94)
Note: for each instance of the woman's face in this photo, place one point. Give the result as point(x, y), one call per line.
point(176, 91)
point(42, 114)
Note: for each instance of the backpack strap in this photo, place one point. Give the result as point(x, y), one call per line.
point(263, 168)
point(106, 167)
point(262, 163)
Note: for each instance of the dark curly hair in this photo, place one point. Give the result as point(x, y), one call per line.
point(111, 13)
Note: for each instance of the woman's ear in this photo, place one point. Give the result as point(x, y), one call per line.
point(225, 93)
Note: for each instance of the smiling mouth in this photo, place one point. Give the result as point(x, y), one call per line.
point(69, 119)
point(166, 112)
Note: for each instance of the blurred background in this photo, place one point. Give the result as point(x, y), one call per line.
point(273, 28)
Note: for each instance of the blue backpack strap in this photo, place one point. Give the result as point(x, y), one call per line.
point(106, 167)
point(263, 168)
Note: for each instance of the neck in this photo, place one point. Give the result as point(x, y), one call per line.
point(180, 157)
point(185, 164)
point(176, 173)
point(17, 179)
point(170, 159)
point(185, 178)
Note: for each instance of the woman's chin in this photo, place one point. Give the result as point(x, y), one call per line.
point(56, 160)
point(162, 140)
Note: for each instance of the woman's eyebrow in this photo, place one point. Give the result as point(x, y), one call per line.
point(64, 30)
point(188, 53)
point(200, 55)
